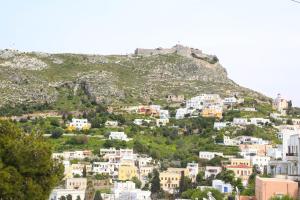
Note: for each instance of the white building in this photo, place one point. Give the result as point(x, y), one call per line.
point(115, 156)
point(193, 169)
point(259, 121)
point(126, 190)
point(181, 112)
point(280, 104)
point(261, 162)
point(111, 123)
point(80, 124)
point(249, 109)
point(76, 183)
point(250, 140)
point(162, 122)
point(275, 153)
point(212, 171)
point(208, 155)
point(164, 114)
point(77, 169)
point(247, 153)
point(56, 194)
point(229, 142)
point(222, 186)
point(143, 161)
point(296, 121)
point(70, 155)
point(104, 168)
point(240, 121)
point(229, 101)
point(221, 125)
point(140, 122)
point(118, 136)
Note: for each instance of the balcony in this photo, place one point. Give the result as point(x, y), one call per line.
point(292, 156)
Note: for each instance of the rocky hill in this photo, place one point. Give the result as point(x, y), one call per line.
point(144, 76)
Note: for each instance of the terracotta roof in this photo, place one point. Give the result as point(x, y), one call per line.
point(238, 166)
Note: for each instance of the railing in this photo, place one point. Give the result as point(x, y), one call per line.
point(291, 154)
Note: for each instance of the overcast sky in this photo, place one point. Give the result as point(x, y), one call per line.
point(257, 41)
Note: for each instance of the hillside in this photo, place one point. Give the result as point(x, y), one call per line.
point(144, 76)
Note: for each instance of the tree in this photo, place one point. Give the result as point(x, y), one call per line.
point(98, 195)
point(200, 194)
point(84, 171)
point(62, 198)
point(155, 182)
point(69, 197)
point(227, 176)
point(137, 182)
point(27, 170)
point(185, 183)
point(56, 132)
point(54, 122)
point(78, 198)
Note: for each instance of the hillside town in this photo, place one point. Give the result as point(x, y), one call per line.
point(263, 166)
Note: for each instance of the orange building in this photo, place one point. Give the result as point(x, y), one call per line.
point(265, 188)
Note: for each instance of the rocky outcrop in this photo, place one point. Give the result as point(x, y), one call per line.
point(24, 62)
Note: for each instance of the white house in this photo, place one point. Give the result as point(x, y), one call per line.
point(193, 169)
point(222, 186)
point(79, 124)
point(212, 171)
point(56, 194)
point(221, 125)
point(118, 136)
point(208, 155)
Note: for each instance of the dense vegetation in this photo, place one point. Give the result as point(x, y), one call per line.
point(26, 168)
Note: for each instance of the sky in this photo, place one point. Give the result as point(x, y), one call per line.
point(257, 41)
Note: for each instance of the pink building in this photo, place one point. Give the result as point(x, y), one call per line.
point(265, 188)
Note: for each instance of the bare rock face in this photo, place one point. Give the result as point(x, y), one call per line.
point(24, 62)
point(101, 86)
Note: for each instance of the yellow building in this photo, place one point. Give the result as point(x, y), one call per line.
point(169, 180)
point(241, 171)
point(127, 170)
point(240, 161)
point(212, 112)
